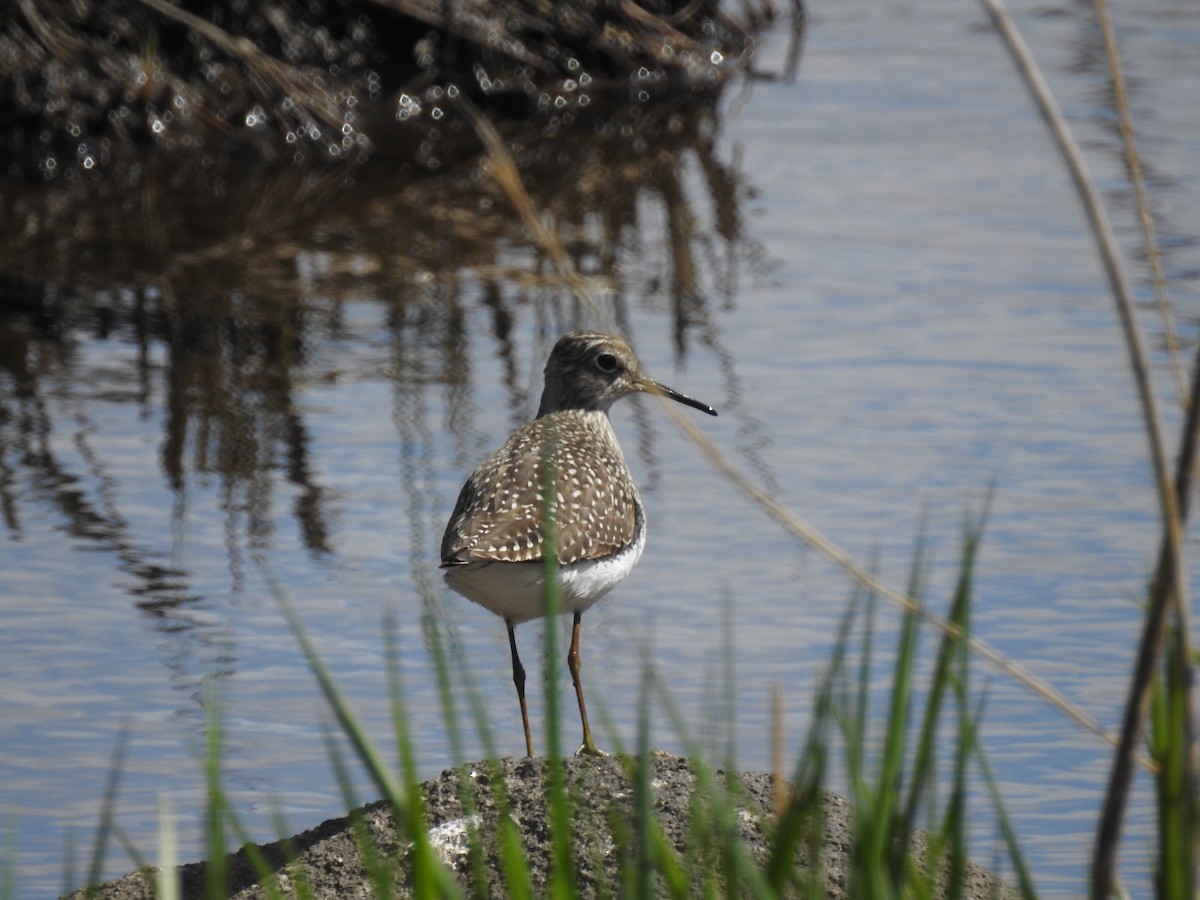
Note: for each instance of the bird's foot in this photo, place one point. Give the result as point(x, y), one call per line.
point(589, 748)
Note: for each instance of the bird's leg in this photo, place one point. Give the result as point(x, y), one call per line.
point(519, 681)
point(589, 743)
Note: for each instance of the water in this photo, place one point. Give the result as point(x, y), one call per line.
point(886, 288)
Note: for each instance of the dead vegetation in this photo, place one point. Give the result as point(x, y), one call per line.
point(84, 82)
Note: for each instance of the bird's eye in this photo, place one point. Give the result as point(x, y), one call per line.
point(606, 362)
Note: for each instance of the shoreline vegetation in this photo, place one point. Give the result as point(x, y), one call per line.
point(88, 87)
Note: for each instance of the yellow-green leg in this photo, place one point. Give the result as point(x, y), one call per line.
point(589, 744)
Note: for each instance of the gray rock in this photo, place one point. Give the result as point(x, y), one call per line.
point(329, 861)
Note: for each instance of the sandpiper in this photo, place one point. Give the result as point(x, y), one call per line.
point(498, 538)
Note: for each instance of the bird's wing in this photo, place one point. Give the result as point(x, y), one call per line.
point(596, 511)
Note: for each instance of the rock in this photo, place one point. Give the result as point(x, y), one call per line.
point(328, 860)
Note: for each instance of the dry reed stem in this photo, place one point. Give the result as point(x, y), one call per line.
point(779, 794)
point(292, 82)
point(63, 45)
point(1145, 220)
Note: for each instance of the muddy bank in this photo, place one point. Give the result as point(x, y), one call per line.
point(327, 862)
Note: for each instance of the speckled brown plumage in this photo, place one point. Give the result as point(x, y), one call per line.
point(501, 512)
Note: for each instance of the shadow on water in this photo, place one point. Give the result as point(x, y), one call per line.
point(229, 289)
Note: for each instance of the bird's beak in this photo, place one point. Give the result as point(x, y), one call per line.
point(653, 387)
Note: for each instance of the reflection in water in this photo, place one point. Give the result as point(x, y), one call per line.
point(38, 357)
point(230, 411)
point(33, 359)
point(230, 289)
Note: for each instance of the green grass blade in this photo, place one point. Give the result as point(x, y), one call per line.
point(641, 860)
point(729, 670)
point(216, 880)
point(925, 761)
point(951, 649)
point(885, 833)
point(868, 874)
point(8, 859)
point(1176, 804)
point(69, 881)
point(954, 829)
point(513, 861)
point(105, 826)
point(1024, 876)
point(856, 737)
point(166, 876)
point(131, 850)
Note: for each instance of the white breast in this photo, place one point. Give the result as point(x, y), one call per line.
point(517, 591)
